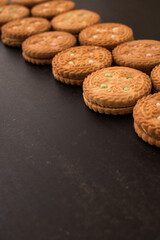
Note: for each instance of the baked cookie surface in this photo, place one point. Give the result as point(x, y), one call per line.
point(140, 54)
point(146, 115)
point(155, 77)
point(11, 12)
point(74, 64)
point(52, 8)
point(15, 32)
point(41, 48)
point(28, 3)
point(4, 2)
point(115, 90)
point(74, 21)
point(107, 35)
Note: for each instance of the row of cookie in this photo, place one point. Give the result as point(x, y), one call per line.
point(46, 10)
point(118, 93)
point(27, 3)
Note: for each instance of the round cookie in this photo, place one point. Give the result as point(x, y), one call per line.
point(139, 54)
point(41, 48)
point(115, 90)
point(4, 2)
point(146, 116)
point(74, 21)
point(74, 64)
point(15, 32)
point(155, 77)
point(12, 12)
point(28, 3)
point(52, 8)
point(107, 35)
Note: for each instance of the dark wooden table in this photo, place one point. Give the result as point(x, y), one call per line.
point(67, 173)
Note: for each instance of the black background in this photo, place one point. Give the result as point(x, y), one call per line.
point(67, 173)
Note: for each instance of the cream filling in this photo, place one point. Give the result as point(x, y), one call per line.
point(14, 39)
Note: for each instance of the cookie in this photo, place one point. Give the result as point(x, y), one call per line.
point(11, 12)
point(71, 66)
point(115, 90)
point(41, 48)
point(155, 77)
point(15, 32)
point(140, 54)
point(146, 116)
point(52, 8)
point(4, 2)
point(74, 21)
point(28, 3)
point(107, 35)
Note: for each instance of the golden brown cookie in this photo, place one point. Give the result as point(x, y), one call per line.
point(155, 77)
point(41, 48)
point(15, 32)
point(74, 64)
point(115, 90)
point(4, 2)
point(52, 8)
point(74, 21)
point(146, 115)
point(28, 3)
point(11, 12)
point(140, 54)
point(107, 35)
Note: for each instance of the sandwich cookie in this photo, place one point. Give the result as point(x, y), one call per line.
point(107, 35)
point(155, 77)
point(115, 90)
point(11, 12)
point(146, 116)
point(140, 54)
point(74, 64)
point(28, 3)
point(52, 8)
point(74, 21)
point(15, 32)
point(4, 2)
point(41, 48)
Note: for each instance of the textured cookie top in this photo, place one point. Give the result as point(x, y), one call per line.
point(78, 62)
point(12, 12)
point(28, 3)
point(52, 8)
point(146, 114)
point(4, 2)
point(46, 45)
point(25, 27)
point(74, 21)
point(141, 54)
point(116, 87)
point(106, 35)
point(155, 77)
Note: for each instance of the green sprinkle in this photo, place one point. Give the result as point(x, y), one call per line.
point(12, 14)
point(108, 75)
point(85, 15)
point(129, 78)
point(14, 9)
point(126, 89)
point(70, 15)
point(1, 9)
point(103, 86)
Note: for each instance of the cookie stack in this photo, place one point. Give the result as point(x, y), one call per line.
point(50, 35)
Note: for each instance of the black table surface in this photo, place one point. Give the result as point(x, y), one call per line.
point(68, 173)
